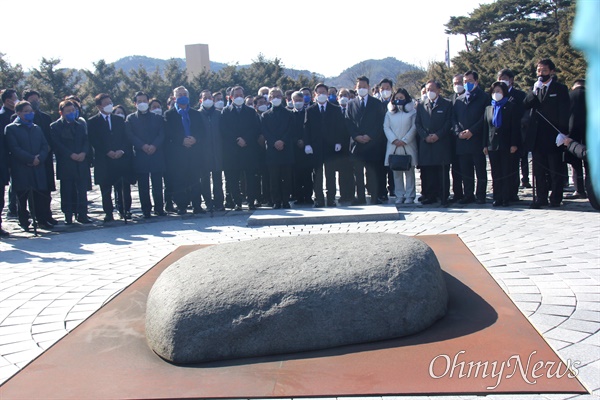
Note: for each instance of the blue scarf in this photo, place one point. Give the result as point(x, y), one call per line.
point(185, 119)
point(24, 122)
point(497, 119)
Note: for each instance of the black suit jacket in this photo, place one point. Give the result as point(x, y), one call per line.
point(278, 124)
point(323, 132)
point(369, 122)
point(469, 115)
point(108, 171)
point(508, 134)
point(578, 115)
point(541, 136)
point(516, 97)
point(180, 158)
point(244, 124)
point(435, 120)
point(142, 129)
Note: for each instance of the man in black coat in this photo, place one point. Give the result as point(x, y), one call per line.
point(577, 129)
point(184, 135)
point(365, 122)
point(323, 138)
point(516, 97)
point(7, 115)
point(240, 129)
point(457, 182)
point(303, 163)
point(44, 120)
point(548, 104)
point(433, 123)
point(468, 113)
point(212, 153)
point(112, 157)
point(28, 150)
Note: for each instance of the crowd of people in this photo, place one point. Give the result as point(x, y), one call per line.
point(302, 145)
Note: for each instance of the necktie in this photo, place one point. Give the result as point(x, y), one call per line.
point(544, 91)
point(362, 105)
point(238, 109)
point(322, 109)
point(108, 122)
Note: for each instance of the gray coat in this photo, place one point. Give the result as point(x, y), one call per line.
point(24, 143)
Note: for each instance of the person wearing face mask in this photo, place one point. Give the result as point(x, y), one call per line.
point(7, 115)
point(302, 183)
point(119, 111)
point(4, 178)
point(332, 95)
point(261, 105)
point(44, 120)
point(548, 106)
point(343, 163)
point(211, 153)
point(516, 97)
point(112, 158)
point(218, 99)
point(501, 141)
point(155, 107)
point(401, 132)
point(278, 129)
point(457, 182)
point(433, 123)
point(469, 109)
point(28, 150)
point(146, 131)
point(184, 134)
point(365, 124)
point(71, 146)
point(323, 137)
point(385, 94)
point(307, 97)
point(240, 129)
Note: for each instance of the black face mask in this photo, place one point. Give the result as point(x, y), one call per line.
point(545, 78)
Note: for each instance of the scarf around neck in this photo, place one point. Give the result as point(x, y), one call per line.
point(497, 119)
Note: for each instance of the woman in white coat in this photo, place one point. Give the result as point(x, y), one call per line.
point(400, 130)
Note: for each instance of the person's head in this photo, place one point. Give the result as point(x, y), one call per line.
point(218, 99)
point(498, 90)
point(298, 100)
point(332, 93)
point(249, 100)
point(321, 91)
point(545, 69)
point(401, 100)
point(260, 104)
point(264, 91)
point(182, 96)
point(424, 91)
point(307, 94)
point(237, 95)
point(141, 100)
point(25, 111)
point(155, 106)
point(9, 98)
point(432, 89)
point(104, 103)
point(507, 76)
point(470, 80)
point(33, 97)
point(385, 88)
point(119, 111)
point(288, 98)
point(457, 84)
point(77, 102)
point(353, 93)
point(276, 96)
point(343, 97)
point(579, 83)
point(206, 99)
point(67, 111)
point(362, 86)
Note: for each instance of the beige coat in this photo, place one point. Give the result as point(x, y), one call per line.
point(401, 125)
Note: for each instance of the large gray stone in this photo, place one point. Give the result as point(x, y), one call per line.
point(291, 294)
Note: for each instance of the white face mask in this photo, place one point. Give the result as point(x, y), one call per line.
point(507, 83)
point(432, 95)
point(119, 115)
point(343, 101)
point(276, 102)
point(322, 98)
point(219, 104)
point(143, 107)
point(238, 101)
point(362, 92)
point(459, 89)
point(157, 111)
point(409, 106)
point(299, 105)
point(208, 103)
point(386, 94)
point(262, 108)
point(497, 96)
point(108, 108)
point(423, 97)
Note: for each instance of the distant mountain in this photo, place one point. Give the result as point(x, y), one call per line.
point(375, 70)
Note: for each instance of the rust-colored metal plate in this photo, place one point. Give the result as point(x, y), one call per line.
point(106, 357)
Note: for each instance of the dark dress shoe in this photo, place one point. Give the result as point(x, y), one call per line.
point(467, 200)
point(52, 221)
point(526, 185)
point(169, 208)
point(128, 215)
point(454, 199)
point(181, 211)
point(45, 225)
point(160, 213)
point(252, 207)
point(317, 205)
point(537, 204)
point(331, 203)
point(68, 219)
point(428, 201)
point(238, 207)
point(109, 218)
point(358, 202)
point(375, 202)
point(147, 214)
point(505, 204)
point(496, 203)
point(199, 210)
point(84, 219)
point(276, 206)
point(24, 227)
point(3, 233)
point(286, 204)
point(554, 204)
point(480, 201)
point(444, 203)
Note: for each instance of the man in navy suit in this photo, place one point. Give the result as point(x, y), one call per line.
point(548, 103)
point(365, 122)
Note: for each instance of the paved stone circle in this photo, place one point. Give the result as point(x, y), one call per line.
point(290, 294)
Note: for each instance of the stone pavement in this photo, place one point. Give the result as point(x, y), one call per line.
point(548, 261)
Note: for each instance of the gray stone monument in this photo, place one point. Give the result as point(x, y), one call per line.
point(291, 294)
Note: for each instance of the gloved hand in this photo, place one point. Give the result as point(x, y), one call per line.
point(338, 147)
point(308, 149)
point(538, 85)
